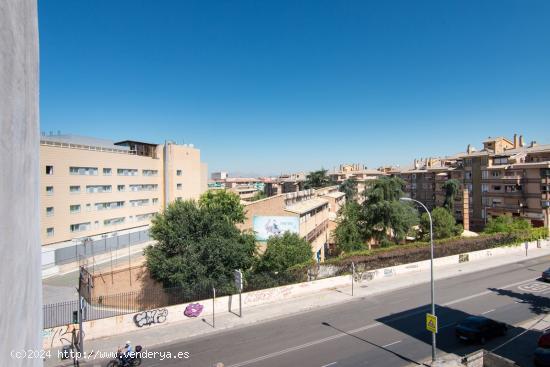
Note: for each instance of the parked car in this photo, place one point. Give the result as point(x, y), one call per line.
point(546, 275)
point(542, 357)
point(479, 329)
point(544, 340)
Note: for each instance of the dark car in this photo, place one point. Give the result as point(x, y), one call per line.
point(542, 357)
point(546, 275)
point(544, 340)
point(479, 329)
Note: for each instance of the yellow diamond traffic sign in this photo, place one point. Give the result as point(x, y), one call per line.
point(431, 323)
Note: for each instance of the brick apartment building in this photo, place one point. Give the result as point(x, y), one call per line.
point(506, 177)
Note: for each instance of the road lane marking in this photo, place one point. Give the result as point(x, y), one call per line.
point(366, 327)
point(486, 312)
point(484, 293)
point(387, 345)
point(330, 364)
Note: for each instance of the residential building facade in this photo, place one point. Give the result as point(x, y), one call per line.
point(92, 186)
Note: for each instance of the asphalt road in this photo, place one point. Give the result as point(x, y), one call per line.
point(386, 330)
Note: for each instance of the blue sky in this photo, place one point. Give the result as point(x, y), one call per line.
point(274, 86)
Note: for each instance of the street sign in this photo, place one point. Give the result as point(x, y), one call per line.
point(431, 323)
point(238, 280)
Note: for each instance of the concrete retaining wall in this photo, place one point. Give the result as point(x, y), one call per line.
point(166, 315)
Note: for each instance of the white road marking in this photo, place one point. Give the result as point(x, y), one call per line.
point(366, 327)
point(330, 364)
point(387, 345)
point(486, 312)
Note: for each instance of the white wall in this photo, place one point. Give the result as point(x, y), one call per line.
point(20, 268)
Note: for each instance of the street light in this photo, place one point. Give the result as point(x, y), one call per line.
point(431, 264)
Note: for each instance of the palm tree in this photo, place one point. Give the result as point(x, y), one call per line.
point(317, 179)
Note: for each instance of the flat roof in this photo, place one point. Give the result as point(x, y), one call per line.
point(305, 206)
point(83, 140)
point(335, 194)
point(123, 142)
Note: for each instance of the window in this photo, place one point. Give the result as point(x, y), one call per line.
point(178, 172)
point(141, 217)
point(140, 202)
point(88, 207)
point(468, 175)
point(49, 232)
point(127, 172)
point(500, 160)
point(179, 186)
point(495, 173)
point(49, 211)
point(75, 208)
point(113, 221)
point(80, 227)
point(49, 170)
point(144, 187)
point(484, 174)
point(545, 188)
point(83, 171)
point(109, 205)
point(484, 187)
point(49, 190)
point(74, 189)
point(155, 201)
point(107, 171)
point(150, 172)
point(121, 188)
point(98, 188)
point(496, 187)
point(545, 172)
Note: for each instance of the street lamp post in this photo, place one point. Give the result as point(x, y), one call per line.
point(431, 266)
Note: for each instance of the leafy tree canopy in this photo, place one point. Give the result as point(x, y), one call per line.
point(451, 190)
point(384, 215)
point(348, 234)
point(197, 247)
point(225, 202)
point(317, 179)
point(505, 223)
point(283, 252)
point(444, 224)
point(349, 187)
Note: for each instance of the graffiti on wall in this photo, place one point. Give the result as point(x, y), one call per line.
point(150, 317)
point(462, 258)
point(60, 336)
point(193, 310)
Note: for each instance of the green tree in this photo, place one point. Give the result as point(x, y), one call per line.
point(317, 179)
point(384, 215)
point(348, 234)
point(197, 247)
point(451, 190)
point(507, 224)
point(225, 202)
point(283, 252)
point(349, 187)
point(444, 224)
point(259, 196)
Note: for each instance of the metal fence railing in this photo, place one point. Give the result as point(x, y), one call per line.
point(61, 313)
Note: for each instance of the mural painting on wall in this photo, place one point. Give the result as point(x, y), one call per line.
point(150, 317)
point(193, 310)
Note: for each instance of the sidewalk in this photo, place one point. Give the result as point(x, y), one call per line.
point(225, 320)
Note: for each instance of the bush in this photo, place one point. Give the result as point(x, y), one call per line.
point(444, 224)
point(505, 223)
point(419, 251)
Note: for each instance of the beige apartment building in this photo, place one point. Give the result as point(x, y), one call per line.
point(309, 211)
point(92, 187)
point(506, 177)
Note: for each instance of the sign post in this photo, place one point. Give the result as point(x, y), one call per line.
point(526, 247)
point(431, 323)
point(239, 285)
point(352, 277)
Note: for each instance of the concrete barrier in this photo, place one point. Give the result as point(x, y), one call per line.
point(58, 336)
